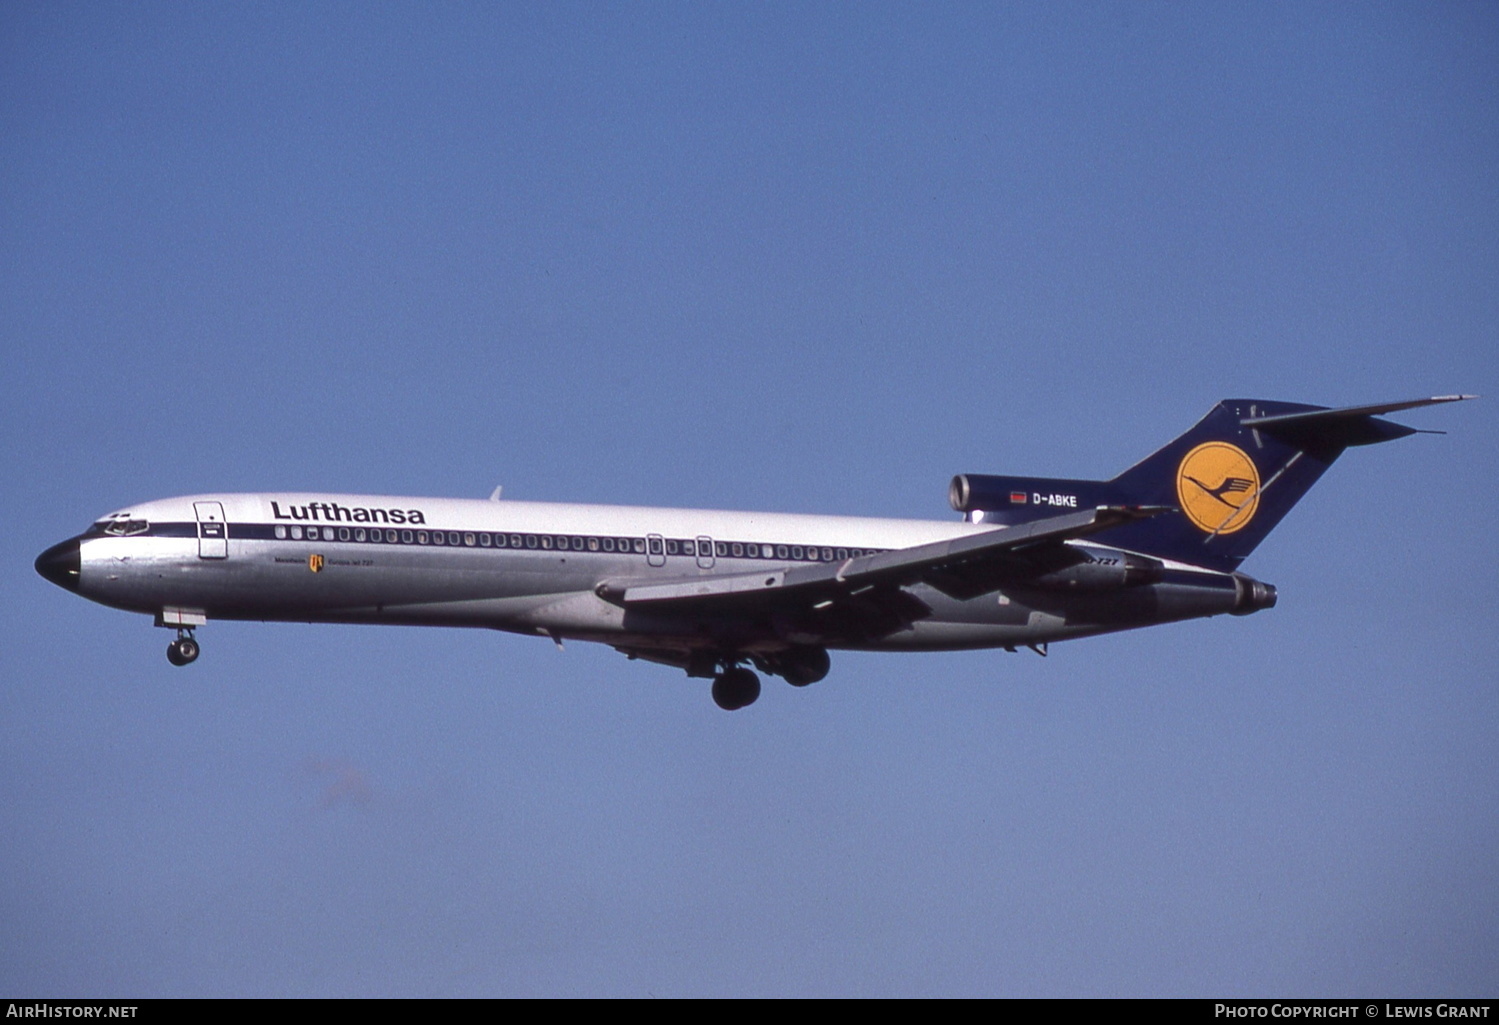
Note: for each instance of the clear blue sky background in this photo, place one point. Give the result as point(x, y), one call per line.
point(798, 257)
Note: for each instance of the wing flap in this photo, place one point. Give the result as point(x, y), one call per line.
point(690, 588)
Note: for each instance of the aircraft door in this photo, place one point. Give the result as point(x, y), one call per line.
point(655, 550)
point(705, 553)
point(213, 530)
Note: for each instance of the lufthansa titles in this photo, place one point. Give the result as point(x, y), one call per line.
point(332, 512)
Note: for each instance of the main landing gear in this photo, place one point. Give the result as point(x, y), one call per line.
point(734, 685)
point(735, 688)
point(184, 649)
point(801, 666)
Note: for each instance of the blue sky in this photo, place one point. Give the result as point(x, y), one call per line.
point(814, 258)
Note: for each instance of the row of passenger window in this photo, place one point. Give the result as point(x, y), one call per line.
point(700, 548)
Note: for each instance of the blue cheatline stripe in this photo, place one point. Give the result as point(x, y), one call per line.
point(595, 544)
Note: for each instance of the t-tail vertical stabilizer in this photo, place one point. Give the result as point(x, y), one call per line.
point(1231, 478)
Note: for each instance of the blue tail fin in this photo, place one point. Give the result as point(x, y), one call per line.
point(1232, 477)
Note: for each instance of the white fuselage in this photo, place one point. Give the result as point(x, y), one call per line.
point(540, 568)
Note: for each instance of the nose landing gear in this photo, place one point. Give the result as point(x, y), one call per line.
point(184, 649)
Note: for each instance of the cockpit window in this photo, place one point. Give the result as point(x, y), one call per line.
point(122, 527)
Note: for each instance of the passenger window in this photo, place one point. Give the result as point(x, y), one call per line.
point(437, 537)
point(343, 533)
point(280, 532)
point(593, 544)
point(296, 533)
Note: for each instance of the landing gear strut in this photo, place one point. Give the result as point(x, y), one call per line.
point(184, 649)
point(735, 688)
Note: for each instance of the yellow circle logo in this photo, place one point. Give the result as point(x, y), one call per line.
point(1218, 487)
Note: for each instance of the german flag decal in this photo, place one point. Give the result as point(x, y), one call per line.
point(315, 563)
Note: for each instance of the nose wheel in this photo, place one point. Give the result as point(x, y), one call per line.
point(183, 650)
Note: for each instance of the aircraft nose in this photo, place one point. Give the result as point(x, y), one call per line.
point(61, 564)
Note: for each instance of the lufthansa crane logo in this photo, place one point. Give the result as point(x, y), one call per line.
point(1218, 487)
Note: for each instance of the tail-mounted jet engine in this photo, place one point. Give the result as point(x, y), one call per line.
point(1251, 595)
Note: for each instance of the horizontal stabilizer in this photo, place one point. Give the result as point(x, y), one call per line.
point(1336, 429)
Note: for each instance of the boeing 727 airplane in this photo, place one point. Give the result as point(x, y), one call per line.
point(1035, 560)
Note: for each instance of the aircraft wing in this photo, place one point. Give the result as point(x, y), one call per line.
point(961, 567)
